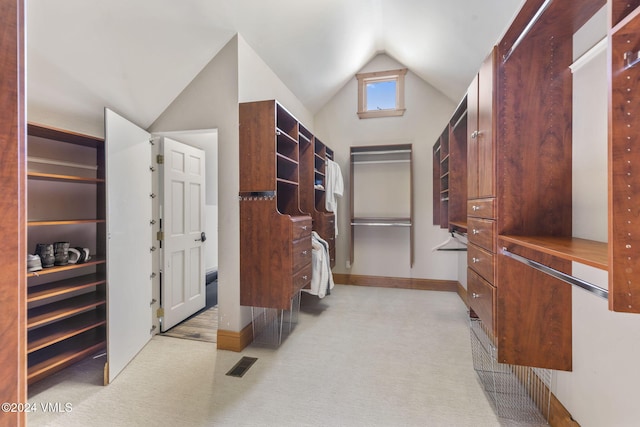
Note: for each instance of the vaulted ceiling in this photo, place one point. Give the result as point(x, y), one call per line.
point(136, 56)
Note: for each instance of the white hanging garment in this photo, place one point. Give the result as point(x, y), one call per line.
point(334, 188)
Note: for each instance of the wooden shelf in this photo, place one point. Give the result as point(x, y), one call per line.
point(61, 287)
point(588, 252)
point(42, 315)
point(64, 222)
point(69, 137)
point(60, 331)
point(64, 353)
point(66, 318)
point(63, 178)
point(94, 261)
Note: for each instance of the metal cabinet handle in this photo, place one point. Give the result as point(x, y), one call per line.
point(475, 134)
point(475, 208)
point(202, 238)
point(304, 227)
point(475, 260)
point(305, 252)
point(475, 231)
point(474, 295)
point(305, 277)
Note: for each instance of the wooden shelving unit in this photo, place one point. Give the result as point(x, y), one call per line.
point(275, 232)
point(66, 316)
point(624, 178)
point(450, 173)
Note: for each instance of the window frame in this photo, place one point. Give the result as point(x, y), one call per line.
point(381, 76)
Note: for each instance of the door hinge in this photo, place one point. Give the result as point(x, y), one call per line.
point(160, 235)
point(160, 159)
point(160, 312)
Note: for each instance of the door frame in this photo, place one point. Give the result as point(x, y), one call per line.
point(199, 138)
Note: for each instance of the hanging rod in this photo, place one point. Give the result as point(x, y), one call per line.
point(528, 28)
point(594, 289)
point(373, 152)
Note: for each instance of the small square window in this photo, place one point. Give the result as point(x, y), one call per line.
point(381, 94)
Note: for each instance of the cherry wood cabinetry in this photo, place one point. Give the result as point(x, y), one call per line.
point(624, 178)
point(480, 125)
point(313, 183)
point(66, 316)
point(281, 163)
point(533, 117)
point(450, 173)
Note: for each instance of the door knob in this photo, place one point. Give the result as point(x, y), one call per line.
point(202, 238)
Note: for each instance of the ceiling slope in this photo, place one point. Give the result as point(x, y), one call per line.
point(136, 56)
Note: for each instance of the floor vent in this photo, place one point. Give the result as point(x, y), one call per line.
point(242, 366)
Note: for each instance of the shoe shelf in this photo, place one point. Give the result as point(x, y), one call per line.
point(57, 269)
point(53, 358)
point(61, 287)
point(63, 178)
point(51, 334)
point(66, 304)
point(65, 222)
point(59, 310)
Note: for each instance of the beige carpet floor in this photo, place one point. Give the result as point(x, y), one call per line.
point(360, 357)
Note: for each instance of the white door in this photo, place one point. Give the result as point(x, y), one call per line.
point(129, 239)
point(183, 272)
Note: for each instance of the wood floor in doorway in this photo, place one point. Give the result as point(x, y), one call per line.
point(202, 326)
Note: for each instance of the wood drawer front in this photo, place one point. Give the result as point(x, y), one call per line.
point(482, 262)
point(302, 278)
point(481, 296)
point(482, 208)
point(481, 232)
point(301, 227)
point(301, 253)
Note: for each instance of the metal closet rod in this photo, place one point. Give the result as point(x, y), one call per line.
point(528, 28)
point(590, 287)
point(372, 152)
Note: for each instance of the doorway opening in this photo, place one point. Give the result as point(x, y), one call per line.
point(200, 324)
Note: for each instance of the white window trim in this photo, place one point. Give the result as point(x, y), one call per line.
point(364, 78)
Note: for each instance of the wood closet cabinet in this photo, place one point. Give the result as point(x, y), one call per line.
point(275, 234)
point(66, 304)
point(624, 240)
point(450, 173)
point(314, 155)
point(481, 192)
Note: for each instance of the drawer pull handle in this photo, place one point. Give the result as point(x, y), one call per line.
point(304, 227)
point(475, 134)
point(475, 208)
point(474, 295)
point(305, 277)
point(305, 252)
point(475, 260)
point(475, 231)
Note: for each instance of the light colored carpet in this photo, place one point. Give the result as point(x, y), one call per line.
point(202, 327)
point(360, 357)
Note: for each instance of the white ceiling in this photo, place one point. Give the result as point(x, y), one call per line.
point(136, 56)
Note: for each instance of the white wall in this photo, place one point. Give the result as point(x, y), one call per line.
point(235, 75)
point(602, 388)
point(211, 102)
point(384, 251)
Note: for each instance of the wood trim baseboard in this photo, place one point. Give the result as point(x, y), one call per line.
point(462, 293)
point(559, 416)
point(235, 341)
point(396, 282)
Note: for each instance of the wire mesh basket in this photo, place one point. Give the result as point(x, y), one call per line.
point(518, 393)
point(271, 324)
